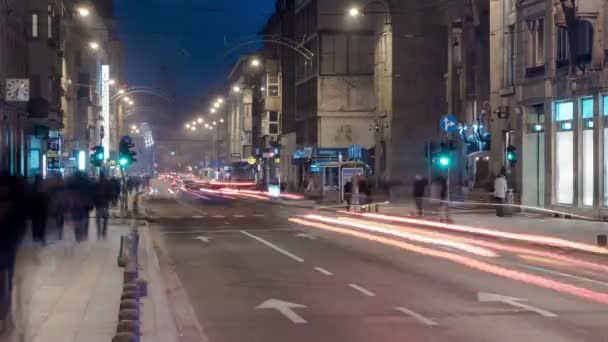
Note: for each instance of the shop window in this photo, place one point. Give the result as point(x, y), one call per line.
point(588, 181)
point(605, 105)
point(536, 42)
point(587, 107)
point(564, 111)
point(605, 167)
point(564, 148)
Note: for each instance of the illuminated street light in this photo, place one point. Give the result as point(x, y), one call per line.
point(263, 88)
point(134, 127)
point(255, 62)
point(222, 120)
point(220, 100)
point(215, 123)
point(187, 125)
point(83, 11)
point(206, 125)
point(213, 110)
point(354, 12)
point(200, 120)
point(94, 45)
point(111, 82)
point(193, 128)
point(236, 89)
point(216, 105)
point(126, 99)
point(131, 103)
point(121, 91)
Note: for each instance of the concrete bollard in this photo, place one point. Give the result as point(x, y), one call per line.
point(143, 287)
point(131, 271)
point(602, 240)
point(125, 337)
point(130, 295)
point(128, 315)
point(132, 286)
point(129, 304)
point(128, 327)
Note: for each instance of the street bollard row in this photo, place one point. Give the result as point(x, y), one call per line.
point(129, 324)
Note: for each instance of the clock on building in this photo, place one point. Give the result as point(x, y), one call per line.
point(17, 90)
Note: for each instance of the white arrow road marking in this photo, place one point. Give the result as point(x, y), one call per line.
point(513, 301)
point(306, 236)
point(362, 290)
point(323, 271)
point(285, 308)
point(205, 239)
point(417, 316)
point(275, 247)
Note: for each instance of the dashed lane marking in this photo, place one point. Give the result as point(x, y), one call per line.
point(258, 215)
point(273, 246)
point(362, 290)
point(417, 316)
point(198, 217)
point(238, 216)
point(211, 231)
point(218, 216)
point(323, 271)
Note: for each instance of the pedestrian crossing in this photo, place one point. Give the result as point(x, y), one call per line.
point(199, 217)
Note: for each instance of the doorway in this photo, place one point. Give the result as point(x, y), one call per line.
point(533, 182)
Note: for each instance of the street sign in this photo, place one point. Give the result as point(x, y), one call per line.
point(355, 152)
point(448, 123)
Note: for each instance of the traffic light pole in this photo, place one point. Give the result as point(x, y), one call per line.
point(218, 149)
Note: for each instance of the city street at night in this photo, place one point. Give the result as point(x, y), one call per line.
point(260, 271)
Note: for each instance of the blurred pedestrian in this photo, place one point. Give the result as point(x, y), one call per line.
point(115, 186)
point(500, 192)
point(420, 184)
point(82, 192)
point(39, 205)
point(103, 196)
point(348, 193)
point(12, 228)
point(57, 205)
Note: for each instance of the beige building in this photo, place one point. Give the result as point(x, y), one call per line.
point(549, 75)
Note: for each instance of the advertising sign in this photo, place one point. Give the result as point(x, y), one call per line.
point(105, 109)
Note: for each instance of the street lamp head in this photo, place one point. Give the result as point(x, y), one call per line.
point(193, 128)
point(354, 12)
point(216, 105)
point(214, 122)
point(126, 99)
point(187, 125)
point(121, 91)
point(200, 120)
point(83, 11)
point(213, 110)
point(220, 100)
point(134, 127)
point(222, 120)
point(236, 89)
point(193, 123)
point(131, 103)
point(94, 45)
point(111, 82)
point(255, 62)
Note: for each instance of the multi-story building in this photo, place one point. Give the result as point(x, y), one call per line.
point(242, 80)
point(13, 65)
point(549, 81)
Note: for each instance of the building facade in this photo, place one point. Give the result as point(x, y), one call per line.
point(550, 77)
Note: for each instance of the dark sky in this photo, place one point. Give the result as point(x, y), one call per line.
point(189, 37)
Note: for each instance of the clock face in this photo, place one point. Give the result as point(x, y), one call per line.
point(17, 89)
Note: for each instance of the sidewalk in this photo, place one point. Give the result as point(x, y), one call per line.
point(567, 229)
point(68, 292)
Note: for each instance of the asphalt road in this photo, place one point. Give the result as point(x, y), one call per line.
point(253, 275)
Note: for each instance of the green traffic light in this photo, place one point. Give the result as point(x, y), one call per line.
point(123, 162)
point(100, 156)
point(510, 156)
point(444, 161)
point(172, 153)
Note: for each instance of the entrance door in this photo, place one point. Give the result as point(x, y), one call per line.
point(533, 183)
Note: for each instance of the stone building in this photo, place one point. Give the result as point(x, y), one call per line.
point(548, 59)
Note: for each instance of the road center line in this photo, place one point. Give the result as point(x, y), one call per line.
point(362, 290)
point(273, 246)
point(323, 271)
point(219, 216)
point(416, 316)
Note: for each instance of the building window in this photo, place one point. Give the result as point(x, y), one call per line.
point(50, 22)
point(605, 105)
point(584, 40)
point(35, 25)
point(606, 167)
point(563, 47)
point(564, 111)
point(273, 123)
point(587, 107)
point(536, 42)
point(510, 57)
point(273, 83)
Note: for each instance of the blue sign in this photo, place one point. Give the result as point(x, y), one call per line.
point(355, 152)
point(328, 153)
point(448, 123)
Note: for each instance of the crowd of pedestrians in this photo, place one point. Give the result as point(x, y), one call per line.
point(48, 208)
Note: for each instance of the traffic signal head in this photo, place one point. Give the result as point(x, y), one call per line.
point(125, 155)
point(123, 162)
point(97, 155)
point(444, 161)
point(511, 153)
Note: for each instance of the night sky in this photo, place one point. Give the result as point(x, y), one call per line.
point(189, 37)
